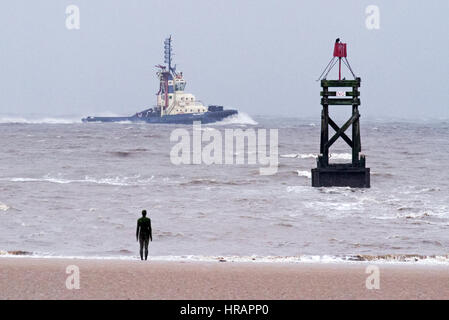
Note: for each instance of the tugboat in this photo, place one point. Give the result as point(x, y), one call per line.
point(174, 105)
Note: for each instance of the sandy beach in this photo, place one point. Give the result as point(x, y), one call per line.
point(32, 278)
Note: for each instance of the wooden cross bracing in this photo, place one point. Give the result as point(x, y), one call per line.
point(340, 132)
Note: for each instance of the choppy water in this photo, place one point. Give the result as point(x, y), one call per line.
point(77, 189)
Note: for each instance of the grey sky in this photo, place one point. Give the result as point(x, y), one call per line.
point(261, 57)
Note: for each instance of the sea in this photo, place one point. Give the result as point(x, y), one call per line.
point(73, 189)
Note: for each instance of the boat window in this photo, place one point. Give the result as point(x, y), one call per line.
point(179, 86)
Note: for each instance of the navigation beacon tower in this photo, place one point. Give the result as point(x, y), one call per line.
point(353, 174)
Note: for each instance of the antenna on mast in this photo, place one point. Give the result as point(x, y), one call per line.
point(168, 53)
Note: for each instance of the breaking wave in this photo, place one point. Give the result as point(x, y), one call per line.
point(20, 120)
point(306, 174)
point(387, 258)
point(240, 118)
point(214, 182)
point(299, 155)
point(114, 181)
point(333, 156)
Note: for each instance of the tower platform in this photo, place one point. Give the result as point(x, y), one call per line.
point(346, 176)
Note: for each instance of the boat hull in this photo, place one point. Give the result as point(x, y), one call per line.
point(206, 117)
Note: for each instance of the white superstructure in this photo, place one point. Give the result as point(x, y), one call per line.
point(172, 99)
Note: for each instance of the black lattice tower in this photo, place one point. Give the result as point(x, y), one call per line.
point(353, 174)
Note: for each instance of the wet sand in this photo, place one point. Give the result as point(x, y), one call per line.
point(30, 278)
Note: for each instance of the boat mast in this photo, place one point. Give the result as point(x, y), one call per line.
point(166, 74)
point(168, 53)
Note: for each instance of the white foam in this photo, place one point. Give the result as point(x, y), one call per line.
point(20, 120)
point(4, 207)
point(240, 118)
point(334, 156)
point(290, 155)
point(300, 155)
point(418, 190)
point(119, 181)
point(422, 214)
point(350, 259)
point(306, 174)
point(121, 122)
point(298, 189)
point(340, 156)
point(115, 181)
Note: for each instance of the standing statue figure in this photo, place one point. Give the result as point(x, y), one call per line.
point(144, 234)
